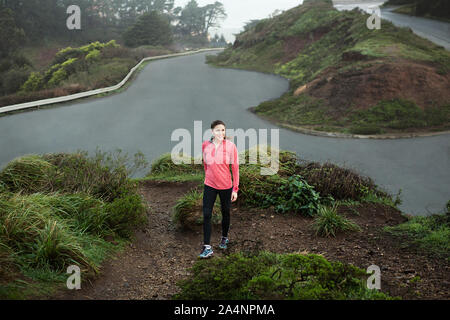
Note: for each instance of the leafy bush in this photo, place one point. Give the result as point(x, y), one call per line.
point(34, 82)
point(93, 55)
point(295, 195)
point(328, 222)
point(125, 213)
point(49, 73)
point(12, 80)
point(275, 276)
point(57, 76)
point(66, 54)
point(70, 65)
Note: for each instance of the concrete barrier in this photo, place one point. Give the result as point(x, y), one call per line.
point(94, 92)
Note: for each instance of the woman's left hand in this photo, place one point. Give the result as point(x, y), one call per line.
point(233, 196)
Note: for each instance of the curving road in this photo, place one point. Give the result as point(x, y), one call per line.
point(173, 93)
point(433, 30)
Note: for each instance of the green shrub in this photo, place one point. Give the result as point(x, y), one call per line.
point(66, 54)
point(27, 174)
point(295, 195)
point(255, 189)
point(223, 278)
point(340, 183)
point(12, 80)
point(92, 46)
point(57, 76)
point(34, 82)
point(275, 276)
point(111, 44)
point(70, 65)
point(93, 55)
point(125, 213)
point(49, 73)
point(328, 222)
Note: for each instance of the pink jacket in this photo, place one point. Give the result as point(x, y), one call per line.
point(217, 165)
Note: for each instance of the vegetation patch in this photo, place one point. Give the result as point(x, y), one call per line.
point(429, 234)
point(265, 275)
point(58, 210)
point(328, 222)
point(188, 211)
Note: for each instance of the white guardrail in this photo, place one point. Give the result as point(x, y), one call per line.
point(79, 95)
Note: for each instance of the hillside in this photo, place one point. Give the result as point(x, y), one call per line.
point(437, 9)
point(343, 76)
point(140, 238)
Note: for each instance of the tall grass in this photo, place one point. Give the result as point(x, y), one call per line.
point(62, 209)
point(328, 222)
point(188, 212)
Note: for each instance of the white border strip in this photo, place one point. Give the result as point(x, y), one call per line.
point(79, 95)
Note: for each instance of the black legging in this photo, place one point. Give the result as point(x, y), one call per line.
point(209, 197)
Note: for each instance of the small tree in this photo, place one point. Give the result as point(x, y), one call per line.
point(150, 29)
point(11, 37)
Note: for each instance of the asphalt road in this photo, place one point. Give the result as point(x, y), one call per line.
point(171, 94)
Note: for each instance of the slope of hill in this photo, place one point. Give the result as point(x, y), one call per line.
point(345, 77)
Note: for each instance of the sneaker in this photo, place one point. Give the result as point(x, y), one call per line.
point(206, 252)
point(223, 243)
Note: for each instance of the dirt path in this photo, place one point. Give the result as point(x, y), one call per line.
point(161, 254)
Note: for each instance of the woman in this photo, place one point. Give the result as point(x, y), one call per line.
point(218, 153)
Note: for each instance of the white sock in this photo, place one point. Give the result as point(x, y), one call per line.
point(207, 246)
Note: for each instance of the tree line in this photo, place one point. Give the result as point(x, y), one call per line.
point(103, 20)
point(131, 22)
